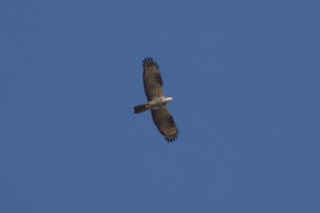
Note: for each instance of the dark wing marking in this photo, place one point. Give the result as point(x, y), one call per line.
point(165, 123)
point(151, 79)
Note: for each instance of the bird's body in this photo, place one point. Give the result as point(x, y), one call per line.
point(157, 103)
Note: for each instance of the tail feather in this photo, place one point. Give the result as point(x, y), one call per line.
point(140, 108)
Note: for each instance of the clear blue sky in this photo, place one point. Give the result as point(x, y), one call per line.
point(245, 78)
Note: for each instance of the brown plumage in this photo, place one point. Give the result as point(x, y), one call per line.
point(152, 81)
point(156, 101)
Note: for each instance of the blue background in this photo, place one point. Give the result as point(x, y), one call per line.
point(244, 76)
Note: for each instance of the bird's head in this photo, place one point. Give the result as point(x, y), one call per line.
point(169, 99)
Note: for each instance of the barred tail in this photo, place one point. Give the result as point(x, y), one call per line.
point(140, 108)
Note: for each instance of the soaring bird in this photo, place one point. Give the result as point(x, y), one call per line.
point(157, 103)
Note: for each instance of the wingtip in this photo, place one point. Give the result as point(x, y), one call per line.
point(148, 60)
point(170, 140)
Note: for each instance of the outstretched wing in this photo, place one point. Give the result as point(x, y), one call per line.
point(151, 79)
point(165, 123)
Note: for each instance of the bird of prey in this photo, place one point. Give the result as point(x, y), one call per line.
point(157, 103)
